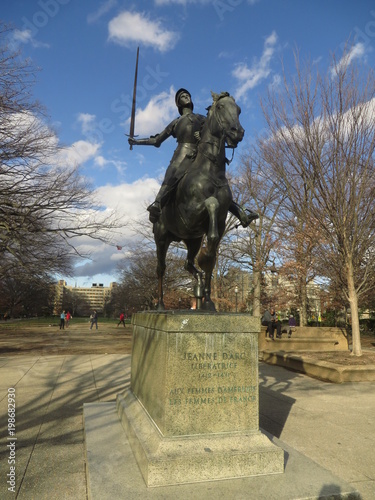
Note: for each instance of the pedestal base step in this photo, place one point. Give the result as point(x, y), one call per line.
point(194, 458)
point(112, 471)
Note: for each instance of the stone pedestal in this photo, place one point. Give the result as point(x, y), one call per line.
point(192, 413)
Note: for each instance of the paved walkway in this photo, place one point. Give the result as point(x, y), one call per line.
point(334, 425)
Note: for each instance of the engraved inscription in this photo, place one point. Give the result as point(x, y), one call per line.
point(214, 395)
point(214, 368)
point(213, 356)
point(214, 364)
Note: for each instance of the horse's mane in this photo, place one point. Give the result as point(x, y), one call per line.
point(215, 98)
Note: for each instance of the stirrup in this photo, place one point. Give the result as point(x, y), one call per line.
point(251, 215)
point(247, 216)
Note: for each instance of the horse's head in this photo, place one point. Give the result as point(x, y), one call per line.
point(227, 112)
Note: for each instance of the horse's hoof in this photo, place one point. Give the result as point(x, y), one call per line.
point(208, 306)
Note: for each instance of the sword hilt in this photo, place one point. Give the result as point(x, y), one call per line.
point(132, 136)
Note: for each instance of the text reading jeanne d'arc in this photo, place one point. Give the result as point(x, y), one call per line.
point(213, 360)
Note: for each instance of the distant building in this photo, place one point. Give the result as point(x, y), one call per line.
point(82, 300)
point(285, 293)
point(281, 292)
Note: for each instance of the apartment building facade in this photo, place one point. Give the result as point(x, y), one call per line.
point(82, 300)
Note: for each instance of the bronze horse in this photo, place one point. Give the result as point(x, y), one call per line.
point(203, 196)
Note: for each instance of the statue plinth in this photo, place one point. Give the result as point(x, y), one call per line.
point(192, 413)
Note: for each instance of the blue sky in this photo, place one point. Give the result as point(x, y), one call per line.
point(86, 51)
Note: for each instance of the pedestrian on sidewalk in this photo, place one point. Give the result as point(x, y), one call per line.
point(94, 320)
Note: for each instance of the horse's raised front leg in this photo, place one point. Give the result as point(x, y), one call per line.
point(212, 207)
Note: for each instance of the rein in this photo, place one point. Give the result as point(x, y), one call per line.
point(210, 156)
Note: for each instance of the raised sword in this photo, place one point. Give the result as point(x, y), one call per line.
point(132, 117)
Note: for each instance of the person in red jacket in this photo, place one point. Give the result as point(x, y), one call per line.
point(122, 319)
point(67, 319)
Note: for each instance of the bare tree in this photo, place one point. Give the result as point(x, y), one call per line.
point(256, 246)
point(322, 143)
point(22, 295)
point(299, 250)
point(44, 203)
point(138, 285)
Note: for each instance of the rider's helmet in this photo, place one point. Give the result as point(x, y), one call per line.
point(177, 98)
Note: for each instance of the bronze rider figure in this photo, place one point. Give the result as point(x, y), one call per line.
point(185, 129)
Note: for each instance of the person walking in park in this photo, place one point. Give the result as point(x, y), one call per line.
point(122, 319)
point(62, 320)
point(67, 319)
point(94, 320)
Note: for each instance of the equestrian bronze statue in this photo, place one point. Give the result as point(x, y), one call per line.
point(195, 197)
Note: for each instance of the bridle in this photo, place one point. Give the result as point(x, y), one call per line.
point(223, 130)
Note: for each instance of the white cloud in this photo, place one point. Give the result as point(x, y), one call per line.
point(25, 36)
point(101, 11)
point(250, 77)
point(78, 153)
point(101, 161)
point(276, 81)
point(89, 149)
point(27, 125)
point(160, 110)
point(119, 165)
point(356, 52)
point(129, 201)
point(87, 122)
point(133, 27)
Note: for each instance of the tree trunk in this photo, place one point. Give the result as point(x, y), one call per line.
point(256, 293)
point(353, 301)
point(257, 275)
point(214, 294)
point(303, 303)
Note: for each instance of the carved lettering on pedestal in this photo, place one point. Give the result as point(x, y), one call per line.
point(214, 395)
point(213, 356)
point(214, 368)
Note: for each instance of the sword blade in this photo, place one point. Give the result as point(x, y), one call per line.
point(132, 118)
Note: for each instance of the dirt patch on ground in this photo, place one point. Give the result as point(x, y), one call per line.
point(77, 339)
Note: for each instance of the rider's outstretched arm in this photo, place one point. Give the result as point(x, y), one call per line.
point(154, 140)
